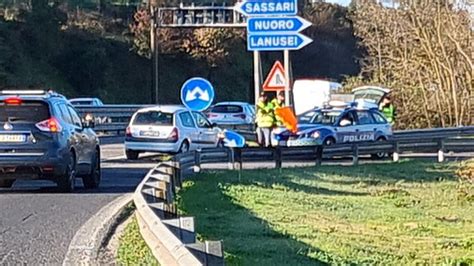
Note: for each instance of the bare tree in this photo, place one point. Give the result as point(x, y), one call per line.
point(424, 51)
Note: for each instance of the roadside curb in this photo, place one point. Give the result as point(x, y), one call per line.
point(86, 243)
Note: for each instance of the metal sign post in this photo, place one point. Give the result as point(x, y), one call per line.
point(273, 26)
point(287, 75)
point(256, 74)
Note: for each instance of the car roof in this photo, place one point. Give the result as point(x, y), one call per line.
point(163, 108)
point(232, 103)
point(82, 99)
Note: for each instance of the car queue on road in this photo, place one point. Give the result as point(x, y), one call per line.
point(43, 137)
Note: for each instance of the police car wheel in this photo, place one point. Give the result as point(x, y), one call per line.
point(379, 155)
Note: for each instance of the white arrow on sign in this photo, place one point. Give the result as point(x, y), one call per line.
point(267, 25)
point(196, 93)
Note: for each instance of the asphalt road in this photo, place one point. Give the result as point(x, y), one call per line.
point(37, 223)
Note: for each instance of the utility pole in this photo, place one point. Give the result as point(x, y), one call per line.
point(154, 49)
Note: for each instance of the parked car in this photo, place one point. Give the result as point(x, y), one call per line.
point(86, 102)
point(42, 137)
point(169, 129)
point(232, 113)
point(328, 126)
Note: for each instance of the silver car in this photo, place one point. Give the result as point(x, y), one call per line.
point(232, 113)
point(169, 129)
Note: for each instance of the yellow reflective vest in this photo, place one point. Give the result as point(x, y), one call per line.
point(265, 116)
point(276, 104)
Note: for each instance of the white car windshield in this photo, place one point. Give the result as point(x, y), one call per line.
point(319, 117)
point(226, 109)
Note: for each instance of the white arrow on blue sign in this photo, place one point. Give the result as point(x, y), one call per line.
point(197, 94)
point(279, 24)
point(268, 8)
point(272, 42)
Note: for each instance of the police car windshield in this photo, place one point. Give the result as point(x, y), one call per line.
point(319, 117)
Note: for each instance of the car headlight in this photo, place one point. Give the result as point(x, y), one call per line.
point(316, 135)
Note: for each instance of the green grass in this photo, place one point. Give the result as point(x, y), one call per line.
point(413, 212)
point(133, 249)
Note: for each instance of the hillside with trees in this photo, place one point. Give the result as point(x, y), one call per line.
point(85, 48)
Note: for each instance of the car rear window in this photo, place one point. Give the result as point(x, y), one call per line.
point(227, 109)
point(153, 118)
point(82, 102)
point(26, 112)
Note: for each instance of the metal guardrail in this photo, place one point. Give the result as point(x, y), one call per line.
point(115, 118)
point(172, 239)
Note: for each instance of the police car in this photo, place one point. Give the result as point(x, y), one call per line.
point(331, 125)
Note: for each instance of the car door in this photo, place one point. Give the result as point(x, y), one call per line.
point(84, 149)
point(188, 129)
point(367, 126)
point(347, 128)
point(207, 134)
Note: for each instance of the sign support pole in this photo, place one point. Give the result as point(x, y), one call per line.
point(256, 74)
point(287, 76)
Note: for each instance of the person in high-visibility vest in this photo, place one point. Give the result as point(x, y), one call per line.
point(264, 120)
point(278, 102)
point(387, 109)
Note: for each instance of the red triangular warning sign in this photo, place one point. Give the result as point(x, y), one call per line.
point(276, 78)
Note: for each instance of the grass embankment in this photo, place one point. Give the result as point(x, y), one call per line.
point(133, 249)
point(413, 212)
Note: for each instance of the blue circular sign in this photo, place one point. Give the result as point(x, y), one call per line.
point(197, 94)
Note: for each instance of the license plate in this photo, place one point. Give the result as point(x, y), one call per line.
point(12, 138)
point(150, 133)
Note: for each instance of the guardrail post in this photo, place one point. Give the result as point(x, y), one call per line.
point(355, 154)
point(197, 161)
point(238, 159)
point(441, 151)
point(277, 156)
point(396, 152)
point(319, 155)
point(231, 158)
point(177, 172)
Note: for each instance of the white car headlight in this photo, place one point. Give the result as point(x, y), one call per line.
point(316, 135)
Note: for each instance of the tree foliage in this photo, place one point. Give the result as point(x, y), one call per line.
point(209, 44)
point(424, 51)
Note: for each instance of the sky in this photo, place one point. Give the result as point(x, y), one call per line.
point(341, 2)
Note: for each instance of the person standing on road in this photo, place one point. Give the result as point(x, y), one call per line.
point(387, 109)
point(264, 120)
point(278, 102)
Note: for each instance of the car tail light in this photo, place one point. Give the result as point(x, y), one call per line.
point(128, 132)
point(242, 116)
point(13, 101)
point(211, 115)
point(50, 125)
point(174, 135)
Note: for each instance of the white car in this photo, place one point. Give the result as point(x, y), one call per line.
point(169, 129)
point(232, 113)
point(86, 102)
